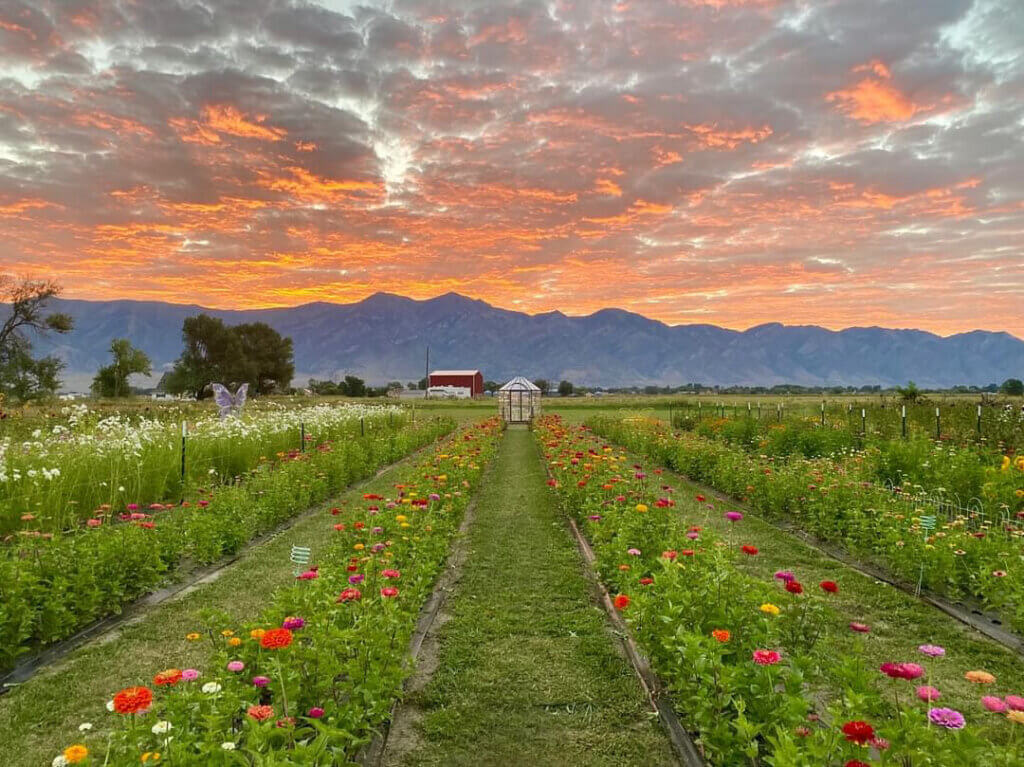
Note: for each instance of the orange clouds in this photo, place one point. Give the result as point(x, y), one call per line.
point(226, 119)
point(875, 99)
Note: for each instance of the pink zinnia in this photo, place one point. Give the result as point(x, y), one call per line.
point(189, 675)
point(860, 628)
point(391, 574)
point(1015, 702)
point(928, 693)
point(235, 665)
point(261, 681)
point(993, 704)
point(356, 579)
point(389, 591)
point(633, 552)
point(932, 650)
point(784, 575)
point(733, 516)
point(293, 623)
point(349, 595)
point(309, 575)
point(94, 522)
point(315, 713)
point(902, 670)
point(947, 717)
point(766, 657)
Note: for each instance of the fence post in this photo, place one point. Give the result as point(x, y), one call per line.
point(778, 412)
point(979, 420)
point(903, 428)
point(759, 410)
point(863, 421)
point(184, 431)
point(302, 436)
point(938, 425)
point(362, 427)
point(823, 412)
point(748, 410)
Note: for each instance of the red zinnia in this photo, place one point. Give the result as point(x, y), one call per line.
point(858, 732)
point(349, 595)
point(260, 713)
point(794, 587)
point(752, 550)
point(391, 574)
point(621, 602)
point(830, 586)
point(275, 639)
point(168, 678)
point(389, 591)
point(133, 700)
point(766, 657)
point(856, 763)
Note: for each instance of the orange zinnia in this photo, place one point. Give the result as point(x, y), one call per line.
point(133, 700)
point(276, 638)
point(167, 678)
point(621, 602)
point(721, 635)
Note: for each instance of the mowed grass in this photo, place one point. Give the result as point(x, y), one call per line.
point(529, 673)
point(41, 717)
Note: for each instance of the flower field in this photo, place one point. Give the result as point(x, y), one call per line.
point(54, 584)
point(58, 470)
point(306, 681)
point(768, 669)
point(966, 553)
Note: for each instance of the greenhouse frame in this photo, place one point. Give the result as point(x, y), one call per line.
point(519, 401)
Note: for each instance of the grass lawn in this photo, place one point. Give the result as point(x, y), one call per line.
point(528, 672)
point(39, 718)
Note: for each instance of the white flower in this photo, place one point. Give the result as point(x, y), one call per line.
point(110, 705)
point(228, 745)
point(59, 761)
point(211, 687)
point(84, 726)
point(161, 727)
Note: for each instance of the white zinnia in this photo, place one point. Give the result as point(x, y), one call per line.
point(211, 687)
point(84, 726)
point(59, 761)
point(110, 705)
point(161, 727)
point(228, 745)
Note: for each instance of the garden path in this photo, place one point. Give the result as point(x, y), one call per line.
point(527, 671)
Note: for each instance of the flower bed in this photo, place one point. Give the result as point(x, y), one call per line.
point(741, 656)
point(308, 681)
point(51, 587)
point(964, 557)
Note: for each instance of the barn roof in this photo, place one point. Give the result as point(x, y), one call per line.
point(519, 384)
point(454, 372)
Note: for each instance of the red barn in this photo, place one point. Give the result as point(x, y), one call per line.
point(468, 379)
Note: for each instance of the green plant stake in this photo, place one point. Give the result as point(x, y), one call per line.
point(927, 524)
point(300, 556)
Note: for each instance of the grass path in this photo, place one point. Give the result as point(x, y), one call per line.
point(40, 717)
point(527, 672)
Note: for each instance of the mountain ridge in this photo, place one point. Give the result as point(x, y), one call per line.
point(384, 337)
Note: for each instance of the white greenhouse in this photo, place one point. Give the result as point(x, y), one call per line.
point(519, 401)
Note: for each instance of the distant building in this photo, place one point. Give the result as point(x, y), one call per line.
point(450, 392)
point(467, 379)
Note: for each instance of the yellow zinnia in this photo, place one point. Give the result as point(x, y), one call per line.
point(769, 608)
point(641, 507)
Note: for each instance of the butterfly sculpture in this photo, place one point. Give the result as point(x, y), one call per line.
point(227, 404)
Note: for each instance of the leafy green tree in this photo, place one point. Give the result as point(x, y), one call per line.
point(22, 375)
point(392, 385)
point(565, 388)
point(112, 379)
point(269, 359)
point(354, 386)
point(1012, 386)
point(491, 386)
point(910, 392)
point(543, 384)
point(212, 354)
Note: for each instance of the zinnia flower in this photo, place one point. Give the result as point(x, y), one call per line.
point(830, 587)
point(947, 717)
point(784, 575)
point(275, 639)
point(621, 601)
point(733, 516)
point(1016, 716)
point(349, 595)
point(927, 693)
point(993, 704)
point(856, 763)
point(721, 635)
point(260, 713)
point(751, 550)
point(391, 574)
point(190, 675)
point(858, 732)
point(670, 555)
point(235, 665)
point(133, 700)
point(211, 688)
point(167, 678)
point(979, 677)
point(389, 591)
point(633, 552)
point(902, 670)
point(261, 681)
point(794, 587)
point(766, 657)
point(860, 628)
point(293, 623)
point(315, 713)
point(932, 650)
point(770, 609)
point(1015, 702)
point(75, 754)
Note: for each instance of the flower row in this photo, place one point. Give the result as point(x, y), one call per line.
point(54, 586)
point(309, 680)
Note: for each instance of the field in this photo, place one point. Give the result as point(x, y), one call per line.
point(795, 587)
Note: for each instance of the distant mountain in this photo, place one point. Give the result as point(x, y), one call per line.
point(384, 337)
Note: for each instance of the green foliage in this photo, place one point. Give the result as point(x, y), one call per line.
point(112, 379)
point(565, 388)
point(214, 352)
point(24, 377)
point(1013, 387)
point(543, 384)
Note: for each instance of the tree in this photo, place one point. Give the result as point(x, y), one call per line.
point(910, 392)
point(252, 353)
point(112, 379)
point(354, 386)
point(393, 385)
point(1012, 386)
point(422, 385)
point(268, 356)
point(22, 376)
point(491, 386)
point(412, 386)
point(543, 384)
point(565, 388)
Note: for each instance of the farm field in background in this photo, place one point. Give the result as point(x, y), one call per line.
point(768, 649)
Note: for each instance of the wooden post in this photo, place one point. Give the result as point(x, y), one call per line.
point(184, 431)
point(904, 421)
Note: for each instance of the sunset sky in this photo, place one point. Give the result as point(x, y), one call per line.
point(853, 162)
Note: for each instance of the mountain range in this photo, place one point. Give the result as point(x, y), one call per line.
point(384, 337)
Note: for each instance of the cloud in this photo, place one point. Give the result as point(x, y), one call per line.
point(730, 161)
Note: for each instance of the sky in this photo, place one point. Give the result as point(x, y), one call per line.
point(835, 162)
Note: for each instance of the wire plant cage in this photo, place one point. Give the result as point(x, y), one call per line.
point(519, 401)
